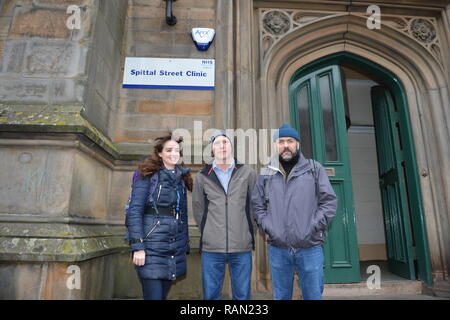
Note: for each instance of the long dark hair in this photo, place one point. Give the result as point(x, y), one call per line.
point(153, 163)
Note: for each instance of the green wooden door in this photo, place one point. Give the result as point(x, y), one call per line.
point(391, 167)
point(318, 112)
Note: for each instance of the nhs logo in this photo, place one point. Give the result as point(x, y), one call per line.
point(202, 37)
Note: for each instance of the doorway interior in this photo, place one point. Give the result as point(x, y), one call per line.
point(371, 235)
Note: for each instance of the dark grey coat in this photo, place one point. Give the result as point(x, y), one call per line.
point(294, 217)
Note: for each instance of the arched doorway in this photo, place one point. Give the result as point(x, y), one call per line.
point(425, 94)
point(319, 109)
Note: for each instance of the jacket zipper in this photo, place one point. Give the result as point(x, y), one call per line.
point(159, 193)
point(226, 221)
point(152, 229)
point(285, 185)
point(226, 209)
point(285, 182)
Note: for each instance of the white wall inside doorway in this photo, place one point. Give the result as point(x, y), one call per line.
point(364, 168)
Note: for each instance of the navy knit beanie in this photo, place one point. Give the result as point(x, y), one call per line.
point(286, 131)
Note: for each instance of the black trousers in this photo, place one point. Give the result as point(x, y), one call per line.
point(155, 289)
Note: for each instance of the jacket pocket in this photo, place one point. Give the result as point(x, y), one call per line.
point(166, 196)
point(314, 238)
point(152, 229)
point(269, 229)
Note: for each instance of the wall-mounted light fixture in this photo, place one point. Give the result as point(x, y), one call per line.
point(171, 20)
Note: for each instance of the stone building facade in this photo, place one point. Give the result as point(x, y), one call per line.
point(71, 136)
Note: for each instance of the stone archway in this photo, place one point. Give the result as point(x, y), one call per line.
point(418, 67)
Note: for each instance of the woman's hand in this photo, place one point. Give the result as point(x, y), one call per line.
point(139, 257)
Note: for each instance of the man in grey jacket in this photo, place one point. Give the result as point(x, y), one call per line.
point(293, 202)
point(221, 205)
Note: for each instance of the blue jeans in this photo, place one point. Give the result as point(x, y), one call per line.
point(213, 273)
point(307, 262)
point(155, 289)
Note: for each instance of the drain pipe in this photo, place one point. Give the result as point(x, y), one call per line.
point(171, 20)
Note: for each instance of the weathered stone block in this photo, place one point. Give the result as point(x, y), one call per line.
point(14, 56)
point(177, 107)
point(160, 50)
point(155, 106)
point(4, 27)
point(145, 94)
point(126, 281)
point(2, 44)
point(186, 122)
point(183, 107)
point(53, 58)
point(49, 280)
point(61, 3)
point(46, 23)
point(200, 14)
point(150, 36)
point(150, 3)
point(90, 186)
point(52, 119)
point(35, 181)
point(98, 112)
point(134, 150)
point(128, 106)
point(104, 42)
point(194, 95)
point(132, 136)
point(148, 12)
point(196, 4)
point(20, 281)
point(115, 16)
point(24, 90)
point(105, 80)
point(121, 188)
point(67, 91)
point(147, 122)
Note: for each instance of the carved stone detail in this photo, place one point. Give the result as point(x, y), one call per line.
point(276, 22)
point(398, 23)
point(423, 30)
point(301, 18)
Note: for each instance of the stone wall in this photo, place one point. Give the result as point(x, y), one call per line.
point(43, 61)
point(45, 64)
point(70, 138)
point(146, 114)
point(57, 163)
point(103, 66)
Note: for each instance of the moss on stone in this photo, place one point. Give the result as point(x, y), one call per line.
point(58, 249)
point(60, 119)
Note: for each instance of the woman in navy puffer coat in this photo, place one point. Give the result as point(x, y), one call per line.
point(157, 219)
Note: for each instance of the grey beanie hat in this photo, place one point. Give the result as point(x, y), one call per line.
point(219, 133)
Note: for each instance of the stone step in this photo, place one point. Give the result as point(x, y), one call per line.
point(392, 288)
point(402, 289)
